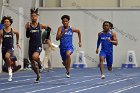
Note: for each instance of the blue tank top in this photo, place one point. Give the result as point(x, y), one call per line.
point(8, 41)
point(106, 46)
point(35, 36)
point(66, 39)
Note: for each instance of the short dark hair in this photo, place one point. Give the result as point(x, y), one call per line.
point(65, 16)
point(8, 18)
point(111, 25)
point(34, 10)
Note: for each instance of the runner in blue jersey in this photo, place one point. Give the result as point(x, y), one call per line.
point(107, 38)
point(7, 38)
point(33, 32)
point(65, 35)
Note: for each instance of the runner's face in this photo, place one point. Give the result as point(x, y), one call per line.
point(106, 26)
point(65, 22)
point(34, 17)
point(7, 23)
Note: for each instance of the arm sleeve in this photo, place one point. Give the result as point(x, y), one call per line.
point(98, 42)
point(27, 32)
point(48, 29)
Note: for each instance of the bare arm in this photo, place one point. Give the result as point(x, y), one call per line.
point(43, 26)
point(27, 25)
point(114, 39)
point(79, 35)
point(59, 33)
point(17, 37)
point(0, 37)
point(98, 43)
point(48, 29)
point(27, 28)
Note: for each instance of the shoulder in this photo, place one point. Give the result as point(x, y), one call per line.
point(1, 31)
point(43, 26)
point(27, 25)
point(75, 29)
point(100, 33)
point(60, 27)
point(113, 33)
point(14, 30)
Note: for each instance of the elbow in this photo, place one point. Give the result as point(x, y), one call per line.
point(116, 44)
point(57, 39)
point(78, 32)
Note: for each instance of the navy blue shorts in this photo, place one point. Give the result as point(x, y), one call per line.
point(108, 57)
point(5, 50)
point(33, 49)
point(63, 52)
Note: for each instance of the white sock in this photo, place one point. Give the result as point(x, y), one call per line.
point(10, 71)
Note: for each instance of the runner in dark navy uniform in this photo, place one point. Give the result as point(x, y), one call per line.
point(33, 31)
point(7, 37)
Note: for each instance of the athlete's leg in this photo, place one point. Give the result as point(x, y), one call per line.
point(109, 59)
point(52, 47)
point(47, 56)
point(5, 65)
point(63, 56)
point(49, 64)
point(102, 56)
point(35, 67)
point(45, 59)
point(68, 61)
point(8, 62)
point(34, 58)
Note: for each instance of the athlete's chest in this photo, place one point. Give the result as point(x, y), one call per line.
point(7, 35)
point(105, 37)
point(35, 30)
point(68, 33)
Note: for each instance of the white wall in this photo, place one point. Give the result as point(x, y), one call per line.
point(13, 11)
point(90, 23)
point(22, 3)
point(52, 3)
point(91, 3)
point(0, 6)
point(130, 3)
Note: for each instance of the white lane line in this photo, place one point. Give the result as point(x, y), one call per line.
point(101, 85)
point(66, 85)
point(18, 77)
point(84, 86)
point(134, 75)
point(125, 88)
point(57, 86)
point(40, 83)
point(42, 76)
point(16, 81)
point(30, 85)
point(61, 86)
point(25, 89)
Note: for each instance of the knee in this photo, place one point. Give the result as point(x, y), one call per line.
point(35, 58)
point(109, 68)
point(67, 55)
point(7, 57)
point(34, 64)
point(101, 63)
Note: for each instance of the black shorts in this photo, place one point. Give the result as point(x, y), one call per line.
point(33, 49)
point(5, 50)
